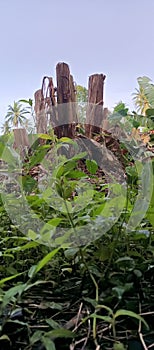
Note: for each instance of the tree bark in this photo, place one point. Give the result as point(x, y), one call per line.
point(94, 115)
point(67, 116)
point(41, 120)
point(21, 141)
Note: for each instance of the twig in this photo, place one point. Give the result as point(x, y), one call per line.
point(78, 318)
point(139, 332)
point(88, 334)
point(151, 346)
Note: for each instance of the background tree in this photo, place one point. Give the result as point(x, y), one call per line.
point(141, 100)
point(144, 101)
point(16, 114)
point(82, 99)
point(27, 124)
point(121, 109)
point(6, 129)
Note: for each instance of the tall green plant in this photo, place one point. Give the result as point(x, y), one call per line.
point(144, 95)
point(16, 114)
point(82, 98)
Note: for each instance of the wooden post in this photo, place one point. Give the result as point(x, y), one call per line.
point(67, 117)
point(48, 93)
point(21, 141)
point(105, 124)
point(41, 120)
point(94, 115)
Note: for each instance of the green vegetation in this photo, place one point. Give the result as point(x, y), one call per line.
point(77, 250)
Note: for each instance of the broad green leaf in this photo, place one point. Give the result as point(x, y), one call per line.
point(149, 112)
point(51, 225)
point(48, 343)
point(79, 156)
point(123, 312)
point(91, 166)
point(120, 290)
point(70, 253)
point(53, 324)
point(32, 235)
point(126, 263)
point(10, 156)
point(36, 337)
point(118, 346)
point(67, 140)
point(45, 137)
point(12, 292)
point(76, 174)
point(28, 183)
point(37, 158)
point(91, 301)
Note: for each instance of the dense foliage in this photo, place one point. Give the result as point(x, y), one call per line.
point(77, 259)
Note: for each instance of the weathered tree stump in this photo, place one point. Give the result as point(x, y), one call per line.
point(94, 115)
point(60, 111)
point(41, 119)
point(67, 116)
point(21, 141)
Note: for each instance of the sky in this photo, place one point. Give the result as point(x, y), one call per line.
point(113, 37)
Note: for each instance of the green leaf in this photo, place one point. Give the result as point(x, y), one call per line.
point(2, 146)
point(79, 156)
point(48, 343)
point(66, 140)
point(107, 308)
point(76, 174)
point(37, 158)
point(91, 166)
point(46, 259)
point(12, 292)
point(70, 253)
point(32, 235)
point(149, 112)
point(91, 301)
point(95, 316)
point(53, 324)
point(120, 290)
point(118, 346)
point(28, 183)
point(45, 136)
point(6, 279)
point(36, 337)
point(60, 333)
point(123, 312)
point(30, 101)
point(50, 225)
point(126, 263)
point(5, 337)
point(26, 246)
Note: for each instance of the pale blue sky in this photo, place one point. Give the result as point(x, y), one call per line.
point(114, 37)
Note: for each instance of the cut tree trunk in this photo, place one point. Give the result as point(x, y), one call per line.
point(67, 116)
point(94, 115)
point(41, 119)
point(21, 141)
